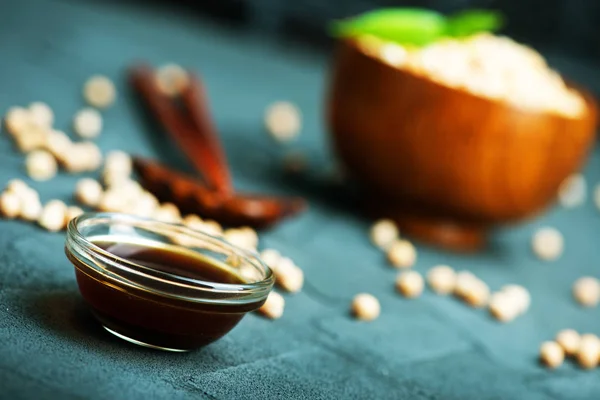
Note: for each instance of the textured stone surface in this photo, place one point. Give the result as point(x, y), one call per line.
point(427, 348)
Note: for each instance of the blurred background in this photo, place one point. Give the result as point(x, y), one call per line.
point(257, 50)
point(572, 26)
point(560, 29)
point(567, 32)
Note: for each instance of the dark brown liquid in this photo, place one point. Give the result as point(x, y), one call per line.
point(154, 319)
point(170, 261)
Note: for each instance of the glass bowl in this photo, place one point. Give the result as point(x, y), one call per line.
point(138, 296)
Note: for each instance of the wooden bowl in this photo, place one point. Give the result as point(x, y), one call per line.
point(446, 164)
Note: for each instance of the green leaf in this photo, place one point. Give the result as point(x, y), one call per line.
point(408, 26)
point(470, 22)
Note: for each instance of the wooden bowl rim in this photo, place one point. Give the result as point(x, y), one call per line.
point(591, 104)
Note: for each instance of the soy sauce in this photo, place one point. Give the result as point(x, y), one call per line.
point(156, 319)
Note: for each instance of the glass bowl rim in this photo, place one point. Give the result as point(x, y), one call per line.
point(77, 242)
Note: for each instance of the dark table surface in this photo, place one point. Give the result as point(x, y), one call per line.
point(430, 348)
